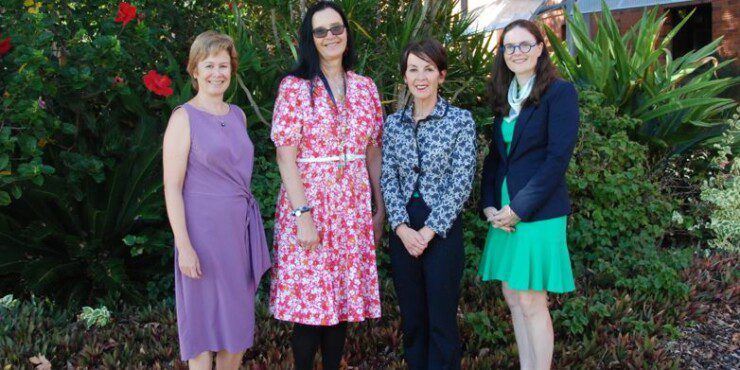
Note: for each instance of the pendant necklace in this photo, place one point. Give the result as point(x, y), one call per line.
point(343, 129)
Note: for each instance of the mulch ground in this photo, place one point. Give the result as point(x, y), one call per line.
point(712, 339)
point(713, 344)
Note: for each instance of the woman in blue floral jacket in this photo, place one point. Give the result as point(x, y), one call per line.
point(429, 159)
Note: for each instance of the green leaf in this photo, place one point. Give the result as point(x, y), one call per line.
point(16, 191)
point(4, 198)
point(129, 240)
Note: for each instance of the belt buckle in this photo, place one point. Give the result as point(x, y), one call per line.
point(340, 166)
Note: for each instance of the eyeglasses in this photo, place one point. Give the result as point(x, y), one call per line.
point(524, 47)
point(321, 32)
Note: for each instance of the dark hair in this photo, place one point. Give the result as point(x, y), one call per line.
point(309, 65)
point(498, 85)
point(430, 50)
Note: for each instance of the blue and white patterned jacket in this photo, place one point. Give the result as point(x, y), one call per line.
point(444, 163)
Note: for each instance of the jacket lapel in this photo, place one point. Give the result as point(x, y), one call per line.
point(521, 122)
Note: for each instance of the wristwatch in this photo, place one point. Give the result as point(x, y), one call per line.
point(301, 210)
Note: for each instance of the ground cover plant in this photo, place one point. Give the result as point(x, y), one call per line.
point(614, 328)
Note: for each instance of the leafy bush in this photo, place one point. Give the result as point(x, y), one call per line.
point(616, 203)
point(266, 37)
point(96, 227)
point(722, 192)
point(94, 316)
point(94, 244)
point(79, 144)
point(73, 84)
point(8, 302)
point(678, 99)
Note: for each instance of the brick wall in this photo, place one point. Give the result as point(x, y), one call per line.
point(725, 15)
point(555, 20)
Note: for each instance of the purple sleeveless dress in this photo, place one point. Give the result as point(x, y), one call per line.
point(216, 312)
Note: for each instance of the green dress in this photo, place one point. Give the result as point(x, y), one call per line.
point(535, 256)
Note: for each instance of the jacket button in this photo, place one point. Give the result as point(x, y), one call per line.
point(416, 169)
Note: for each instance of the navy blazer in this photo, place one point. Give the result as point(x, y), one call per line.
point(544, 137)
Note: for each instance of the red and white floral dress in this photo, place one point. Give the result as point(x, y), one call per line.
point(339, 280)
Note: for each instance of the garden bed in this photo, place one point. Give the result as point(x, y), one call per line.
point(632, 333)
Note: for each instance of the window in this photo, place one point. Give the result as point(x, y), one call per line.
point(697, 31)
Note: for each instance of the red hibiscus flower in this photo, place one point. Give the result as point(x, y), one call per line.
point(4, 45)
point(126, 13)
point(231, 5)
point(158, 84)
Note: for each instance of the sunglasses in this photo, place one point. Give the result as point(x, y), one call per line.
point(524, 47)
point(321, 32)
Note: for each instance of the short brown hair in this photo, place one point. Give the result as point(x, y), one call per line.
point(430, 50)
point(209, 43)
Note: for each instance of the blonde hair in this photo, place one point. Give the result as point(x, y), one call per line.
point(209, 43)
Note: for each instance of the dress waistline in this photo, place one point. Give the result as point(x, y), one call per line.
point(333, 158)
point(257, 250)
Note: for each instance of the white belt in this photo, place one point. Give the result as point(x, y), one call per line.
point(346, 157)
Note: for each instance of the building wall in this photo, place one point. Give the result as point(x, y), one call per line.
point(554, 19)
point(725, 15)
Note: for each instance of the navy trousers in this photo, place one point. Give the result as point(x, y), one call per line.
point(428, 291)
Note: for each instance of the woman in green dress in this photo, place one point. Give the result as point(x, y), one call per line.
point(523, 192)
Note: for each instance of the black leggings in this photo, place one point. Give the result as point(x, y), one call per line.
point(307, 338)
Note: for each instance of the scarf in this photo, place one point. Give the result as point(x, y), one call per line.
point(516, 97)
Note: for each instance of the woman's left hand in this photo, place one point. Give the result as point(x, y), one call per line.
point(378, 223)
point(505, 218)
point(427, 233)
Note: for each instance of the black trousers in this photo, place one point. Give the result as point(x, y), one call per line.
point(428, 290)
point(308, 338)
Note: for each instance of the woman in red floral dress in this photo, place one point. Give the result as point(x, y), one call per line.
point(326, 126)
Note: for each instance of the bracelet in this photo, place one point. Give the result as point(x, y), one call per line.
point(300, 210)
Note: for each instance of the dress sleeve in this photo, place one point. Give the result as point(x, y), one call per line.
point(287, 117)
point(376, 131)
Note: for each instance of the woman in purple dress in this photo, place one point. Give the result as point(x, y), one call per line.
point(221, 252)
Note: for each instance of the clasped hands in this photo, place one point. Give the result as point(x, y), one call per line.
point(504, 219)
point(414, 241)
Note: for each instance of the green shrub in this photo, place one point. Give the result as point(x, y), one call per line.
point(80, 249)
point(617, 204)
point(88, 219)
point(94, 316)
point(79, 144)
point(72, 84)
point(8, 302)
point(721, 192)
point(678, 99)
